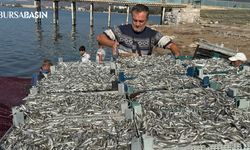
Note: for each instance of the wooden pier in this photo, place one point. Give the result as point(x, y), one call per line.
point(128, 4)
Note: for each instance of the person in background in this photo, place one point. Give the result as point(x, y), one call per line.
point(100, 54)
point(84, 55)
point(238, 59)
point(43, 72)
point(136, 38)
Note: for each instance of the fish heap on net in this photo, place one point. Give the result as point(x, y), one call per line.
point(77, 77)
point(183, 116)
point(211, 65)
point(71, 112)
point(233, 78)
point(72, 121)
point(239, 80)
point(68, 114)
point(192, 117)
point(151, 72)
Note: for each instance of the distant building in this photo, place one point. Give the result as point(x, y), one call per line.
point(119, 7)
point(81, 9)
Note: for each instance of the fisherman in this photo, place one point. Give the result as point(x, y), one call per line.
point(85, 56)
point(136, 38)
point(43, 72)
point(238, 59)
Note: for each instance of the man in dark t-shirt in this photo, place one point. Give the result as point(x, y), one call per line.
point(136, 38)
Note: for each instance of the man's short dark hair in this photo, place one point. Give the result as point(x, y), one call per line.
point(140, 8)
point(82, 48)
point(47, 61)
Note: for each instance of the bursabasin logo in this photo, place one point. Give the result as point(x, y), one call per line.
point(23, 15)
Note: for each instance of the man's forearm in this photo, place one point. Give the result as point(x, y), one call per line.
point(104, 40)
point(174, 49)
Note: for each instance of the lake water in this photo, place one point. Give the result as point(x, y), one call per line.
point(24, 44)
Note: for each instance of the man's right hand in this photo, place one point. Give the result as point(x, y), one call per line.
point(114, 48)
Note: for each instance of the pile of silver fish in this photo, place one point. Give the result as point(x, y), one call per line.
point(72, 121)
point(150, 73)
point(138, 65)
point(240, 81)
point(187, 114)
point(163, 72)
point(212, 65)
point(192, 117)
point(76, 109)
point(73, 104)
point(71, 134)
point(169, 66)
point(77, 77)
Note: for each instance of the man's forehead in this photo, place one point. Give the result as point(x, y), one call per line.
point(46, 64)
point(139, 14)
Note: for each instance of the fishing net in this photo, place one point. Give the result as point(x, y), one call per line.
point(12, 91)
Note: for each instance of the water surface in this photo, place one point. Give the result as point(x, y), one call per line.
point(24, 44)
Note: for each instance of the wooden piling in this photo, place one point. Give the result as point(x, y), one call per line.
point(127, 14)
point(91, 17)
point(163, 15)
point(55, 32)
point(109, 15)
point(73, 32)
point(37, 4)
point(55, 13)
point(73, 12)
point(39, 32)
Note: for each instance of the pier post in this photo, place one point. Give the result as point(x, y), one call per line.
point(127, 14)
point(73, 12)
point(163, 15)
point(92, 38)
point(91, 17)
point(55, 13)
point(39, 32)
point(109, 16)
point(55, 32)
point(37, 4)
point(73, 32)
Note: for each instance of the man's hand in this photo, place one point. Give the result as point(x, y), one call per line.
point(114, 48)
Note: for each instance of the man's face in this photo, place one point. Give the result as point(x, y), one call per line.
point(139, 20)
point(237, 63)
point(82, 53)
point(46, 67)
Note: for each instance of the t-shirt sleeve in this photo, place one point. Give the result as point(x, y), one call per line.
point(88, 56)
point(162, 40)
point(110, 34)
